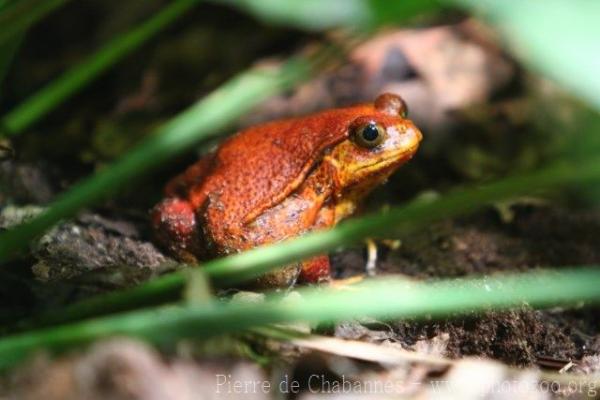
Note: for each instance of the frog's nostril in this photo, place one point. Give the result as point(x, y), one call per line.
point(408, 129)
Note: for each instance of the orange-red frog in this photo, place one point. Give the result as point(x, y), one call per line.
point(282, 179)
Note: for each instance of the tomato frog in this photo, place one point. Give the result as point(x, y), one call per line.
point(282, 179)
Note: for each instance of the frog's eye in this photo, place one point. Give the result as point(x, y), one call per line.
point(369, 135)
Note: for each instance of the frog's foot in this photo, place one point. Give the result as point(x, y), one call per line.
point(373, 254)
point(174, 222)
point(315, 270)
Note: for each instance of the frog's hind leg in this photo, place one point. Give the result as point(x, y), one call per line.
point(306, 211)
point(176, 229)
point(174, 218)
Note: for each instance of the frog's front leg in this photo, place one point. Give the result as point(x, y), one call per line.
point(318, 216)
point(308, 209)
point(318, 268)
point(315, 270)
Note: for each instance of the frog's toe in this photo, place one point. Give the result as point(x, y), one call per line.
point(371, 264)
point(315, 270)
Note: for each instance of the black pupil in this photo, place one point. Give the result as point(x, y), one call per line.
point(370, 132)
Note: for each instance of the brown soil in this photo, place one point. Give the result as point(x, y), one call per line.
point(536, 236)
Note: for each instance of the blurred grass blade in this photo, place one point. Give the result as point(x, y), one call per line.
point(320, 15)
point(379, 299)
point(73, 80)
point(17, 16)
point(560, 38)
point(200, 121)
point(8, 48)
point(306, 14)
point(7, 54)
point(250, 264)
point(398, 220)
point(394, 12)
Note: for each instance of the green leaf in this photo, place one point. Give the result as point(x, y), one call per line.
point(557, 37)
point(241, 267)
point(306, 14)
point(319, 15)
point(379, 299)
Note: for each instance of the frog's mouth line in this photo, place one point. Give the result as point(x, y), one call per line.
point(396, 159)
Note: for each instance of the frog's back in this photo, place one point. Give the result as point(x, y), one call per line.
point(260, 166)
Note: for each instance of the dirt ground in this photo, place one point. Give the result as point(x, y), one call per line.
point(536, 236)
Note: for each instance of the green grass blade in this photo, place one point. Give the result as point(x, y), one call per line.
point(318, 15)
point(395, 12)
point(306, 14)
point(401, 299)
point(241, 267)
point(420, 213)
point(73, 80)
point(7, 54)
point(559, 38)
point(200, 121)
point(16, 17)
point(9, 47)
